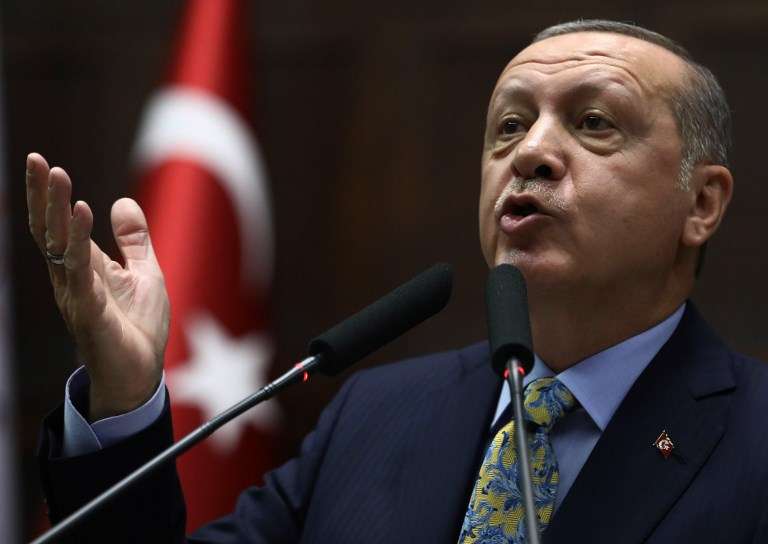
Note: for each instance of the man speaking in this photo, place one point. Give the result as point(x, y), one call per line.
point(604, 173)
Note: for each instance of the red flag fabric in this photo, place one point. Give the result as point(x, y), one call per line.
point(203, 190)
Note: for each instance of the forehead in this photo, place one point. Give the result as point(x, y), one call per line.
point(645, 68)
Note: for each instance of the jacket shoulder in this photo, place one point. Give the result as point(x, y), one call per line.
point(751, 381)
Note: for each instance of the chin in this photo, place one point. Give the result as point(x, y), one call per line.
point(540, 271)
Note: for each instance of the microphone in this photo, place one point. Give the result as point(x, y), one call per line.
point(330, 353)
point(509, 333)
point(509, 325)
point(384, 320)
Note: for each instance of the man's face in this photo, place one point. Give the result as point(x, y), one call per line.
point(581, 161)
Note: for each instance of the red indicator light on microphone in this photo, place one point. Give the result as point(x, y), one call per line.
point(305, 374)
point(520, 369)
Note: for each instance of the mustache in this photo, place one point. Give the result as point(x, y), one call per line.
point(542, 187)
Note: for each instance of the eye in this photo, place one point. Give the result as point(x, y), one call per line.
point(595, 123)
point(511, 126)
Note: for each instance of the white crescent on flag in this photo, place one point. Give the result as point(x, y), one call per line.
point(194, 124)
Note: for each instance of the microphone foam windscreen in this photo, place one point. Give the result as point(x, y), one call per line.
point(509, 325)
point(384, 320)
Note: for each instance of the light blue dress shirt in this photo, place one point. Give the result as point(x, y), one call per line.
point(599, 383)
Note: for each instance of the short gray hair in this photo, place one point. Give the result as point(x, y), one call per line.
point(700, 107)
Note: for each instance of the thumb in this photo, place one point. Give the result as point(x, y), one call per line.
point(129, 226)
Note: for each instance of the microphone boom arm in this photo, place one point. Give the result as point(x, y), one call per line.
point(333, 351)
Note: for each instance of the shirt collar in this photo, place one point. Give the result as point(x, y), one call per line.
point(600, 382)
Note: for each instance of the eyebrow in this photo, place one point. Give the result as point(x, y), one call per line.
point(590, 87)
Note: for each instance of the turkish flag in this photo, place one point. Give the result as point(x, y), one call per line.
point(203, 189)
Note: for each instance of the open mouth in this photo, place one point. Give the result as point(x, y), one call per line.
point(523, 210)
point(520, 210)
point(514, 210)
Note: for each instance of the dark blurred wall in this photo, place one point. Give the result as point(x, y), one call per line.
point(371, 122)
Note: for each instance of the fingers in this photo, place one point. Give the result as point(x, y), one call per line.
point(79, 249)
point(129, 226)
point(61, 229)
point(84, 263)
point(57, 227)
point(58, 215)
point(37, 196)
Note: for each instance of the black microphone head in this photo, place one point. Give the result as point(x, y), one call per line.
point(384, 320)
point(509, 325)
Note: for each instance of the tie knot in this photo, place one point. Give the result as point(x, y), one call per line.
point(546, 401)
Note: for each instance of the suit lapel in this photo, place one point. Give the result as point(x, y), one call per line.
point(445, 442)
point(626, 486)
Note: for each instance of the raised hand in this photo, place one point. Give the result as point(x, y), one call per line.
point(117, 314)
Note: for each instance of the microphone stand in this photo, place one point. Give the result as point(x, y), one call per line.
point(514, 375)
point(300, 372)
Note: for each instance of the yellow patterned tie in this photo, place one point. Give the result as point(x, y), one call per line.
point(496, 512)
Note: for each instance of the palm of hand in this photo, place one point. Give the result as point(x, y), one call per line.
point(124, 324)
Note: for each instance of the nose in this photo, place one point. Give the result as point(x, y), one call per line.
point(540, 153)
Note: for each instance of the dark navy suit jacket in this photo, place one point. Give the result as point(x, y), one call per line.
point(394, 456)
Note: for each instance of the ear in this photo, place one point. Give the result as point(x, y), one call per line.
point(711, 188)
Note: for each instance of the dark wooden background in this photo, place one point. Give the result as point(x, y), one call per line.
point(370, 119)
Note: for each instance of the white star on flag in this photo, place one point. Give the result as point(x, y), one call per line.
point(221, 371)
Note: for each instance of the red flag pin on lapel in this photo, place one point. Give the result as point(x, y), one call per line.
point(664, 444)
